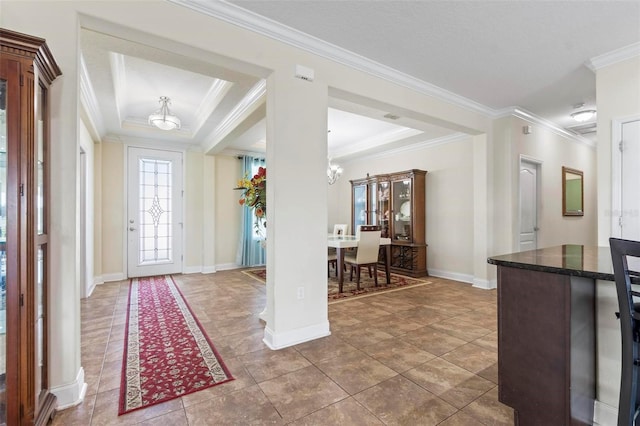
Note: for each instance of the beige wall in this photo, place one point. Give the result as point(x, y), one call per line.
point(618, 94)
point(113, 205)
point(242, 49)
point(552, 151)
point(450, 192)
point(198, 213)
point(449, 200)
point(227, 210)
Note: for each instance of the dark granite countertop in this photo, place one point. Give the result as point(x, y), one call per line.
point(569, 259)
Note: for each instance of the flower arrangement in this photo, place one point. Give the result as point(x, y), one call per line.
point(255, 194)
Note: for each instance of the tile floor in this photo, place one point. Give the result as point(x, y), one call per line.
point(420, 356)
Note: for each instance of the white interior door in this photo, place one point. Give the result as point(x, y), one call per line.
point(154, 208)
point(528, 206)
point(630, 171)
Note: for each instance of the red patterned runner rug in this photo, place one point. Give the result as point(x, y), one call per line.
point(167, 354)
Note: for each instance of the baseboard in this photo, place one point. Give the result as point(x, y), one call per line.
point(227, 266)
point(192, 269)
point(604, 414)
point(97, 280)
point(118, 276)
point(485, 284)
point(293, 337)
point(456, 276)
point(71, 394)
point(90, 291)
point(209, 269)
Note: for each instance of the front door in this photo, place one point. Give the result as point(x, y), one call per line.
point(154, 207)
point(528, 206)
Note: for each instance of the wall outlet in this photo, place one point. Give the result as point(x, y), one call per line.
point(300, 293)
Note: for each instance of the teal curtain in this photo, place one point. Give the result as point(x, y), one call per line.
point(250, 250)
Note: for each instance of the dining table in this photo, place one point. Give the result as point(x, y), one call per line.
point(343, 242)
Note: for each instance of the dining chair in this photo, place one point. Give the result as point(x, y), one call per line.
point(625, 255)
point(332, 257)
point(340, 229)
point(366, 253)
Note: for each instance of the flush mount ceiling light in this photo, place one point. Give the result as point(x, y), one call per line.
point(162, 118)
point(333, 172)
point(582, 116)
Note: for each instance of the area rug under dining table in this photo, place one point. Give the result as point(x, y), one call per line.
point(367, 285)
point(167, 353)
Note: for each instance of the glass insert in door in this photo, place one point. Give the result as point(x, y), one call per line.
point(155, 212)
point(3, 254)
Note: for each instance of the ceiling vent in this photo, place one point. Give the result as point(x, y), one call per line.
point(391, 116)
point(584, 129)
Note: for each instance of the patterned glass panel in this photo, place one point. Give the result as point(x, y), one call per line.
point(155, 211)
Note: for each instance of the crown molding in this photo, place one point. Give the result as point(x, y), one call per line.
point(539, 121)
point(243, 18)
point(251, 101)
point(216, 93)
point(613, 57)
point(264, 26)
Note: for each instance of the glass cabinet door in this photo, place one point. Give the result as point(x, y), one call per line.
point(3, 254)
point(401, 191)
point(27, 69)
point(383, 207)
point(373, 196)
point(40, 259)
point(359, 206)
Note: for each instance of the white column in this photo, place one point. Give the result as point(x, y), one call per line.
point(484, 275)
point(296, 210)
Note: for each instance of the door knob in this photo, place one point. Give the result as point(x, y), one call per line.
point(131, 228)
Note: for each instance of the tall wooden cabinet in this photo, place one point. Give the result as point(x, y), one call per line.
point(27, 69)
point(397, 203)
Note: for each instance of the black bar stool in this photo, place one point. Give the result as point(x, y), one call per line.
point(629, 404)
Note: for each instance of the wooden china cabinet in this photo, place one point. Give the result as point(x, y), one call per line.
point(27, 69)
point(397, 203)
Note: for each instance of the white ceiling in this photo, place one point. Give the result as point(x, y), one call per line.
point(530, 54)
point(493, 54)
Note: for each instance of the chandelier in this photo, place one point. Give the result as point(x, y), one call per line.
point(162, 118)
point(333, 172)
